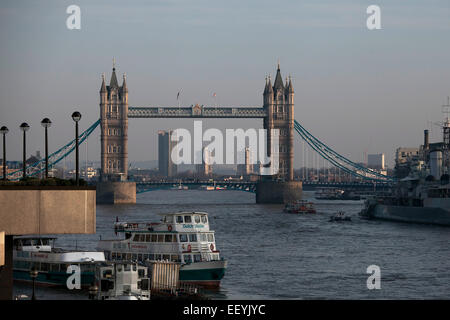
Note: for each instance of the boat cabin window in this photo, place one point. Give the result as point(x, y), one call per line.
point(144, 284)
point(203, 237)
point(127, 235)
point(187, 258)
point(160, 238)
point(154, 238)
point(136, 238)
point(204, 219)
point(54, 267)
point(183, 238)
point(26, 242)
point(147, 238)
point(168, 219)
point(151, 257)
point(127, 267)
point(187, 219)
point(106, 285)
point(139, 257)
point(134, 256)
point(141, 273)
point(197, 258)
point(210, 237)
point(175, 258)
point(45, 266)
point(166, 257)
point(168, 238)
point(45, 242)
point(107, 273)
point(197, 219)
point(179, 219)
point(193, 237)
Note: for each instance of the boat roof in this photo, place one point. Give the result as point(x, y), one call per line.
point(182, 212)
point(35, 237)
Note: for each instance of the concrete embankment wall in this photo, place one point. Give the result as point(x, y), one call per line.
point(47, 210)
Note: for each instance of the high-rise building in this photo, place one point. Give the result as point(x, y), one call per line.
point(166, 165)
point(375, 161)
point(246, 168)
point(205, 168)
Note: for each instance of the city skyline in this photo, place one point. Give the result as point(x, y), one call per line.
point(357, 98)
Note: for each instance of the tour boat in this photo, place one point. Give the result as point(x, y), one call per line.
point(51, 263)
point(182, 237)
point(300, 206)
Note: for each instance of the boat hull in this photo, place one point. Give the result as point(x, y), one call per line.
point(206, 274)
point(52, 279)
point(423, 215)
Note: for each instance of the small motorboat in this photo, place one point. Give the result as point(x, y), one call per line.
point(299, 206)
point(340, 216)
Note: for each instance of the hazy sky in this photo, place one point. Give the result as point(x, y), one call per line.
point(355, 89)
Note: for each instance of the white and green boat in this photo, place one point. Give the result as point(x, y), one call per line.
point(38, 252)
point(182, 237)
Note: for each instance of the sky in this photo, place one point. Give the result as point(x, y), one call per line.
point(358, 90)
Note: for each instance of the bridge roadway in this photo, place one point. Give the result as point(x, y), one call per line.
point(250, 186)
point(197, 112)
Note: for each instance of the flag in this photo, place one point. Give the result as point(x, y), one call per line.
point(178, 95)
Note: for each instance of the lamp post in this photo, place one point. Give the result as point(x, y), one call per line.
point(24, 127)
point(93, 290)
point(4, 130)
point(46, 123)
point(76, 116)
point(33, 274)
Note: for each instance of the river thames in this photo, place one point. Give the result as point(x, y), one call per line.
point(275, 255)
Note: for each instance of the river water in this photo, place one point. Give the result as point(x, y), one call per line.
point(274, 255)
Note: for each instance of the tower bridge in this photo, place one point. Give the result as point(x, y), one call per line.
point(277, 112)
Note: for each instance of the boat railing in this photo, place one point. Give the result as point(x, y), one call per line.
point(181, 289)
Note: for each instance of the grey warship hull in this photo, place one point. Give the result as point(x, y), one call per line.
point(424, 215)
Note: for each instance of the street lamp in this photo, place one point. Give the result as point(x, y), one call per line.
point(24, 127)
point(46, 123)
point(76, 116)
point(93, 290)
point(4, 130)
point(33, 274)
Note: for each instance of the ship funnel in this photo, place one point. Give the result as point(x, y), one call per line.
point(436, 164)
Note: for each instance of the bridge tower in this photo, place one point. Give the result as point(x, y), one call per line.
point(279, 104)
point(114, 129)
point(113, 187)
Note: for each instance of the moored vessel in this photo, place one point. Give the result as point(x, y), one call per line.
point(52, 263)
point(299, 206)
point(182, 237)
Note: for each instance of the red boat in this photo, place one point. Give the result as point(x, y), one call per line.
point(300, 206)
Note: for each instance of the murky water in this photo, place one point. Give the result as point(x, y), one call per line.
point(276, 255)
